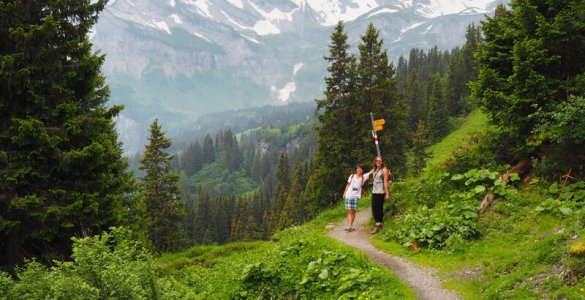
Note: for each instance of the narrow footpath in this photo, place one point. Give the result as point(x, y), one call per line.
point(421, 280)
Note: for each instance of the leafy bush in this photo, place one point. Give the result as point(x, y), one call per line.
point(426, 190)
point(479, 181)
point(437, 227)
point(565, 122)
point(109, 266)
point(5, 285)
point(561, 135)
point(303, 267)
point(574, 192)
point(452, 220)
point(571, 201)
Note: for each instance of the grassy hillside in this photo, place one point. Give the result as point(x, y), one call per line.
point(528, 246)
point(300, 262)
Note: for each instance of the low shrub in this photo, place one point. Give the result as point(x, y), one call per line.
point(108, 266)
point(444, 225)
point(302, 269)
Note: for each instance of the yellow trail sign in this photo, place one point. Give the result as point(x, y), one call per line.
point(379, 124)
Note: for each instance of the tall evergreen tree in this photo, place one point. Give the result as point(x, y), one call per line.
point(331, 157)
point(462, 70)
point(233, 152)
point(282, 190)
point(402, 74)
point(208, 150)
point(418, 152)
point(457, 88)
point(190, 206)
point(61, 167)
point(414, 98)
point(203, 215)
point(438, 118)
point(251, 231)
point(162, 212)
point(293, 212)
point(192, 159)
point(223, 218)
point(473, 38)
point(530, 61)
point(376, 93)
point(240, 220)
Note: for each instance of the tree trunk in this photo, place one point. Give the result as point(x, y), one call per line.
point(490, 198)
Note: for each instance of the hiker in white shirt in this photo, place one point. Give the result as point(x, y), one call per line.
point(352, 194)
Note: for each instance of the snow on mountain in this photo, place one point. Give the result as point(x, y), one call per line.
point(330, 12)
point(405, 30)
point(285, 93)
point(237, 3)
point(202, 7)
point(383, 11)
point(437, 8)
point(296, 68)
point(176, 19)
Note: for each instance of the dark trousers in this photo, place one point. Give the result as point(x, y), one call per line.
point(378, 207)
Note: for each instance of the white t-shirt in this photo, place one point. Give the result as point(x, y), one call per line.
point(355, 185)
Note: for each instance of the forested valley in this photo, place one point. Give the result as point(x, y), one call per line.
point(481, 139)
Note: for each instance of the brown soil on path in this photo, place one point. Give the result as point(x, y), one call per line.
point(421, 280)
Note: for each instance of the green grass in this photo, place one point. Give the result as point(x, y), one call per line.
point(441, 151)
point(521, 254)
point(220, 272)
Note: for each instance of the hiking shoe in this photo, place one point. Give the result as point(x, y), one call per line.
point(348, 229)
point(351, 229)
point(376, 229)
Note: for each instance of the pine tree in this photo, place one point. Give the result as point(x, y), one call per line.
point(251, 232)
point(61, 168)
point(162, 212)
point(203, 215)
point(418, 152)
point(456, 85)
point(233, 153)
point(224, 218)
point(293, 212)
point(438, 118)
point(192, 159)
point(413, 95)
point(473, 38)
point(190, 206)
point(240, 220)
point(462, 70)
point(401, 74)
point(376, 93)
point(267, 230)
point(282, 189)
point(208, 150)
point(334, 132)
point(529, 62)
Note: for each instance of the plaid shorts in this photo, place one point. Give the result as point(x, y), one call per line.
point(352, 202)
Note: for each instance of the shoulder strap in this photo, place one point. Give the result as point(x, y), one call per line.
point(362, 187)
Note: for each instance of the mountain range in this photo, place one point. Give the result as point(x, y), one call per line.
point(177, 60)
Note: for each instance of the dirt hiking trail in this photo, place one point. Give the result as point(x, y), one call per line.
point(421, 280)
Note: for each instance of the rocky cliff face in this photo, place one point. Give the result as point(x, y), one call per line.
point(179, 59)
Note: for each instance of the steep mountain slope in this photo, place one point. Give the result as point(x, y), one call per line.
point(180, 59)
